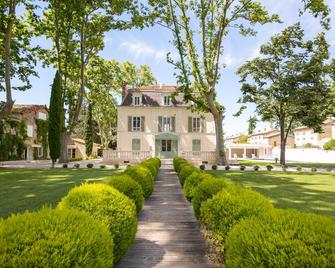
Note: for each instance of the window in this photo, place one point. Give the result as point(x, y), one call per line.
point(195, 124)
point(166, 146)
point(71, 153)
point(166, 124)
point(196, 145)
point(42, 116)
point(30, 131)
point(137, 99)
point(136, 124)
point(136, 145)
point(39, 151)
point(166, 100)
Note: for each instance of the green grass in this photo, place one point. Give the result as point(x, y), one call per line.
point(313, 192)
point(261, 163)
point(30, 189)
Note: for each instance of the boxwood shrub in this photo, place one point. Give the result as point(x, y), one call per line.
point(283, 238)
point(193, 181)
point(185, 171)
point(129, 187)
point(111, 207)
point(230, 205)
point(153, 164)
point(54, 238)
point(143, 176)
point(205, 190)
point(177, 162)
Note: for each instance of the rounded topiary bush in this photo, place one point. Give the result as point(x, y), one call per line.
point(205, 190)
point(177, 162)
point(54, 238)
point(152, 166)
point(193, 181)
point(231, 205)
point(143, 176)
point(185, 171)
point(283, 238)
point(129, 187)
point(111, 207)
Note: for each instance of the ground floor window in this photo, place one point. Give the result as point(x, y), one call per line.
point(196, 145)
point(166, 146)
point(136, 145)
point(71, 153)
point(39, 151)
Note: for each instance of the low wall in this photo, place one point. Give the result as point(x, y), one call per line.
point(306, 155)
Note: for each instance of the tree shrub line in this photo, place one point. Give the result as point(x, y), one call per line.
point(248, 231)
point(92, 226)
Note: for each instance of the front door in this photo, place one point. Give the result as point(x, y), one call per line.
point(166, 148)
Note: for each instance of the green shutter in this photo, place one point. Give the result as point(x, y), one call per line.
point(173, 124)
point(203, 126)
point(190, 124)
point(160, 123)
point(129, 123)
point(136, 145)
point(142, 123)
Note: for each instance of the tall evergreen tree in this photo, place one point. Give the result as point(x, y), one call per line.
point(55, 119)
point(89, 131)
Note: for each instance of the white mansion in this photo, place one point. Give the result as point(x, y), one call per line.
point(151, 123)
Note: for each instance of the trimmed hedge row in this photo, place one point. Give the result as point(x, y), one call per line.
point(251, 231)
point(92, 226)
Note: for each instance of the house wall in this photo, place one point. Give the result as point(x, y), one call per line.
point(305, 136)
point(151, 114)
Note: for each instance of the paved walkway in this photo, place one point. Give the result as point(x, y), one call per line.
point(168, 234)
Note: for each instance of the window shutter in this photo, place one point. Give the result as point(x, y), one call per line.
point(129, 123)
point(160, 123)
point(142, 123)
point(173, 124)
point(203, 126)
point(189, 124)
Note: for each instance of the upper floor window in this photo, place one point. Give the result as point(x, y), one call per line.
point(30, 131)
point(166, 100)
point(137, 99)
point(42, 116)
point(166, 124)
point(136, 123)
point(195, 124)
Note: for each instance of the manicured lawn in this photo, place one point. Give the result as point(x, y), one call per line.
point(262, 163)
point(30, 189)
point(314, 192)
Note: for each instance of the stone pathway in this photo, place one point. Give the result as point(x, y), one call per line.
point(168, 234)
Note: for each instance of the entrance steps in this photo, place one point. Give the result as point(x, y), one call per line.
point(167, 162)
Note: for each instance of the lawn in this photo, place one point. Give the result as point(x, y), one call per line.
point(262, 163)
point(314, 192)
point(30, 189)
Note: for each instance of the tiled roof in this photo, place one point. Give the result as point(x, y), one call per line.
point(267, 132)
point(155, 88)
point(25, 108)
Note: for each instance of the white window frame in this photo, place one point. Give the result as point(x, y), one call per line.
point(136, 126)
point(137, 99)
point(132, 144)
point(193, 145)
point(30, 131)
point(42, 116)
point(166, 100)
point(166, 123)
point(196, 124)
point(39, 151)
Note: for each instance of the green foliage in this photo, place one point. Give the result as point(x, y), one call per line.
point(89, 165)
point(282, 238)
point(42, 135)
point(177, 162)
point(152, 165)
point(269, 167)
point(230, 206)
point(329, 145)
point(111, 207)
point(193, 181)
point(252, 123)
point(128, 187)
point(185, 171)
point(256, 168)
point(55, 118)
point(54, 238)
point(143, 176)
point(242, 167)
point(202, 167)
point(89, 131)
point(205, 190)
point(214, 167)
point(227, 168)
point(243, 139)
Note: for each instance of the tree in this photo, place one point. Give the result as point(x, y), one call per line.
point(200, 54)
point(89, 131)
point(320, 9)
point(290, 83)
point(55, 119)
point(252, 123)
point(16, 53)
point(243, 139)
point(137, 76)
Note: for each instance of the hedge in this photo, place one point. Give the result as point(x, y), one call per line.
point(205, 190)
point(54, 238)
point(111, 207)
point(192, 182)
point(143, 176)
point(283, 238)
point(230, 205)
point(185, 171)
point(128, 187)
point(177, 162)
point(153, 164)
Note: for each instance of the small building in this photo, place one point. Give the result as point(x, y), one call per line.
point(249, 151)
point(270, 137)
point(76, 149)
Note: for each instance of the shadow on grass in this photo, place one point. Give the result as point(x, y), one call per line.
point(313, 192)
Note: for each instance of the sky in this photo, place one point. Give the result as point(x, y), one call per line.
point(151, 45)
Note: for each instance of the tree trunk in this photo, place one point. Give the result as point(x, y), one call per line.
point(282, 140)
point(52, 163)
point(63, 152)
point(220, 150)
point(5, 111)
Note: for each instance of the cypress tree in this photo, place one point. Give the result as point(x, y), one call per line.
point(89, 131)
point(55, 119)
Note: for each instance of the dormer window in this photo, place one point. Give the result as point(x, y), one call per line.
point(166, 100)
point(137, 100)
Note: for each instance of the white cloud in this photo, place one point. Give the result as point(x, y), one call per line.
point(142, 49)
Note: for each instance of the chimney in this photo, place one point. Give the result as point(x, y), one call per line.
point(124, 89)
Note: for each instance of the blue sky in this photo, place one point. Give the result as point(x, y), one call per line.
point(151, 45)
